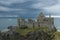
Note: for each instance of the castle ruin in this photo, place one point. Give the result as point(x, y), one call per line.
point(42, 21)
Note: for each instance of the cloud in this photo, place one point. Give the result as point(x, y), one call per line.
point(55, 9)
point(5, 2)
point(9, 2)
point(9, 16)
point(2, 8)
point(55, 16)
point(46, 5)
point(39, 4)
point(58, 1)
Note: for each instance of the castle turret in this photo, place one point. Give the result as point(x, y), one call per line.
point(40, 19)
point(51, 20)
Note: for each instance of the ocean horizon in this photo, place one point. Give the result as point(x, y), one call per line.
point(12, 21)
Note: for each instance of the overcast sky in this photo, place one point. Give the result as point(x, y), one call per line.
point(15, 8)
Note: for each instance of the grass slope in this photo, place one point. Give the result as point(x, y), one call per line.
point(57, 37)
point(25, 31)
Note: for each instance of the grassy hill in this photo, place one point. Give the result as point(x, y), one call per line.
point(57, 37)
point(24, 32)
point(27, 30)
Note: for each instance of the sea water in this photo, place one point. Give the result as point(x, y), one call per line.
point(5, 22)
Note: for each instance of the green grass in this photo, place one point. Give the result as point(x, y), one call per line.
point(27, 30)
point(58, 33)
point(57, 36)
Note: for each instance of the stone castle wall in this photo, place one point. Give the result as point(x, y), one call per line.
point(42, 21)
